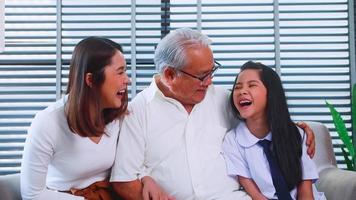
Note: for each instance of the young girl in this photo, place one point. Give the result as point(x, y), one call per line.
point(266, 150)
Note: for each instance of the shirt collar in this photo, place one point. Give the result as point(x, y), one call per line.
point(154, 92)
point(153, 89)
point(245, 138)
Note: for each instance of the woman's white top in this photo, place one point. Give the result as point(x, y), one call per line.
point(56, 159)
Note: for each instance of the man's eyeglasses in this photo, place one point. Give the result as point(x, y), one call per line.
point(205, 77)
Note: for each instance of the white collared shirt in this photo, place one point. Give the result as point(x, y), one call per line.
point(244, 157)
point(181, 151)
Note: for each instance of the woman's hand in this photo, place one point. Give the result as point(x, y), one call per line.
point(310, 138)
point(152, 191)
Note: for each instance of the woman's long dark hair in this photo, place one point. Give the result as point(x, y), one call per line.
point(286, 139)
point(84, 113)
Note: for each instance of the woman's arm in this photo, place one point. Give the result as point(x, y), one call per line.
point(251, 188)
point(305, 191)
point(37, 154)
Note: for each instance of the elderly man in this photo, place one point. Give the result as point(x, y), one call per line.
point(176, 126)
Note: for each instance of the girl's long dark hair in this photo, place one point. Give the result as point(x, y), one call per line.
point(286, 139)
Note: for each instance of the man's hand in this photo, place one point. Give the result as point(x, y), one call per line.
point(152, 191)
point(310, 138)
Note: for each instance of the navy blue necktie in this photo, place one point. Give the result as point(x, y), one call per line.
point(277, 177)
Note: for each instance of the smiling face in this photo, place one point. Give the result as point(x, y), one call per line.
point(250, 95)
point(115, 83)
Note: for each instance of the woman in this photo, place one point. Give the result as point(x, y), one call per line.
point(71, 145)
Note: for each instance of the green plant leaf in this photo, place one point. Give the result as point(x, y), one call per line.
point(353, 109)
point(341, 129)
point(353, 118)
point(349, 163)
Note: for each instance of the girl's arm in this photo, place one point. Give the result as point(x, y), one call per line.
point(305, 191)
point(251, 188)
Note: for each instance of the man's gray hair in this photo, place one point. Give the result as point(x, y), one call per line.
point(171, 50)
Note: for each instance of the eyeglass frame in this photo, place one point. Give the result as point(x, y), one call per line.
point(203, 78)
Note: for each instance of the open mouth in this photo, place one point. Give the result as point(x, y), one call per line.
point(121, 92)
point(245, 103)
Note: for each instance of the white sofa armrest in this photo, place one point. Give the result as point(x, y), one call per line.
point(337, 184)
point(10, 187)
point(324, 155)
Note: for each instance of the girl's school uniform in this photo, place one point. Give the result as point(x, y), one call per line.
point(244, 157)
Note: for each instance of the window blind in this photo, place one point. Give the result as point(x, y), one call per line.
point(148, 32)
point(81, 19)
point(27, 73)
point(315, 64)
point(2, 25)
point(241, 31)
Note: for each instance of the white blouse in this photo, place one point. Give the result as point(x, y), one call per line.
point(244, 157)
point(56, 159)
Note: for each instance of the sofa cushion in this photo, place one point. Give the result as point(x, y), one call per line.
point(10, 187)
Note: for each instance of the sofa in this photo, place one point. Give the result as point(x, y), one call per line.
point(10, 187)
point(337, 184)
